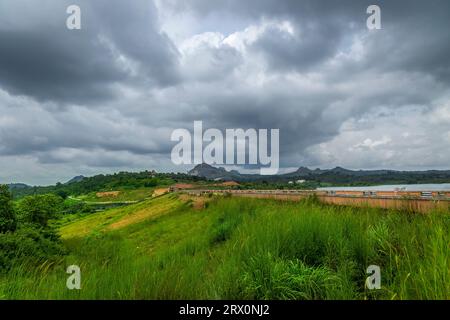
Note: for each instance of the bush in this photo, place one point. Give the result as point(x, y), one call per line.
point(28, 245)
point(8, 221)
point(28, 240)
point(39, 209)
point(78, 207)
point(63, 194)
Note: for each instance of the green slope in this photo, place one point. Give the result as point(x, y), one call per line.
point(236, 248)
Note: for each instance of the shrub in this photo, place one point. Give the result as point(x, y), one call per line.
point(63, 194)
point(8, 221)
point(77, 207)
point(28, 245)
point(39, 209)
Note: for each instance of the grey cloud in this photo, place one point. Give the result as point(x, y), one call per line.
point(302, 52)
point(209, 63)
point(299, 114)
point(414, 33)
point(134, 30)
point(36, 65)
point(31, 129)
point(333, 88)
point(51, 63)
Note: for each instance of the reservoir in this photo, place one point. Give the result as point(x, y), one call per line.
point(395, 187)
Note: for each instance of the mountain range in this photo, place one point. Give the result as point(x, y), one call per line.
point(335, 175)
point(18, 186)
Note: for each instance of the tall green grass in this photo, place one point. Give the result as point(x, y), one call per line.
point(240, 248)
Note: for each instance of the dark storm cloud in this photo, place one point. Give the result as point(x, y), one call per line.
point(320, 27)
point(119, 43)
point(34, 130)
point(415, 33)
point(75, 68)
point(133, 28)
point(284, 51)
point(298, 115)
point(339, 93)
point(414, 40)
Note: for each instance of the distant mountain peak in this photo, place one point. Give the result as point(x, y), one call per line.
point(207, 171)
point(340, 170)
point(204, 165)
point(18, 186)
point(303, 170)
point(76, 179)
point(336, 175)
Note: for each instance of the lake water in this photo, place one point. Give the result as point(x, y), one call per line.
point(393, 187)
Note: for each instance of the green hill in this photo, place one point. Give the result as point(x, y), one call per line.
point(174, 247)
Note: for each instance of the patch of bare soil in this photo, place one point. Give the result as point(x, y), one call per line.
point(160, 192)
point(107, 194)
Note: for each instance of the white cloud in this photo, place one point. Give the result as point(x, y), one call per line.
point(371, 144)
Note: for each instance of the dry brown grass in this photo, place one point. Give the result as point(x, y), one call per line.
point(181, 186)
point(151, 212)
point(107, 194)
point(160, 192)
point(198, 203)
point(227, 184)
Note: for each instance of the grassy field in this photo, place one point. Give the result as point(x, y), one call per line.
point(240, 248)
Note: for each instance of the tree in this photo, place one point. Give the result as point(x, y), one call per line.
point(39, 209)
point(8, 221)
point(63, 194)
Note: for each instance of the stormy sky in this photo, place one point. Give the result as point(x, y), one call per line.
point(107, 97)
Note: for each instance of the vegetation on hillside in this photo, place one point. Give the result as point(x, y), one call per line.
point(27, 240)
point(116, 181)
point(240, 248)
point(335, 177)
point(311, 179)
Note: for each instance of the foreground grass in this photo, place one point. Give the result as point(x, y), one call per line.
point(240, 248)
